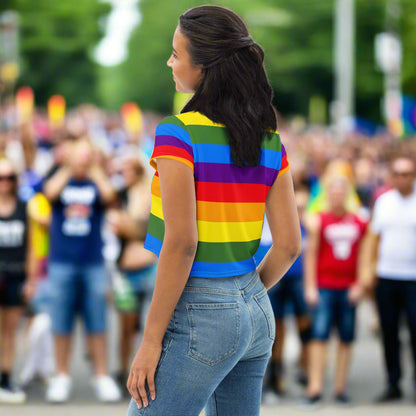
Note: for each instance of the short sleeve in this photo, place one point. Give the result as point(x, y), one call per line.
point(172, 141)
point(284, 165)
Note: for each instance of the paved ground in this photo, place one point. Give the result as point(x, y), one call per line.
point(366, 381)
point(284, 410)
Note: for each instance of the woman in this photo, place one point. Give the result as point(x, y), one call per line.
point(136, 265)
point(15, 287)
point(210, 326)
point(333, 286)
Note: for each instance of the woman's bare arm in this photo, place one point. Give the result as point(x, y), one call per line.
point(179, 244)
point(175, 263)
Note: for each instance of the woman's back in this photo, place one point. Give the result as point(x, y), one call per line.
point(214, 181)
point(230, 199)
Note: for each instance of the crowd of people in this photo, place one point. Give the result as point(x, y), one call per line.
point(357, 223)
point(75, 202)
point(74, 207)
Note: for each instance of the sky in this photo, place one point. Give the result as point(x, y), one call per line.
point(124, 17)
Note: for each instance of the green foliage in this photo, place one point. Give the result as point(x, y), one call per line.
point(408, 33)
point(57, 38)
point(297, 36)
point(298, 51)
point(148, 79)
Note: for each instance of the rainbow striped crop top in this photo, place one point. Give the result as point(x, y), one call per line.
point(230, 199)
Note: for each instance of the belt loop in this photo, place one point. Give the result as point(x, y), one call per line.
point(236, 282)
point(252, 282)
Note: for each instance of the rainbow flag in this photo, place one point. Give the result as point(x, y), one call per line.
point(56, 111)
point(409, 114)
point(24, 104)
point(132, 117)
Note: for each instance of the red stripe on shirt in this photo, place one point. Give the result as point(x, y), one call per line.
point(231, 192)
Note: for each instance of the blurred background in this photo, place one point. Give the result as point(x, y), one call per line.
point(110, 52)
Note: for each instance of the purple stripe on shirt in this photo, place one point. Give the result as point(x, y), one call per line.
point(225, 173)
point(162, 140)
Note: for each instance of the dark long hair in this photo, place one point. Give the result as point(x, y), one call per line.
point(234, 90)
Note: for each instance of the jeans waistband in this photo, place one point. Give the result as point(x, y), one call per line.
point(235, 285)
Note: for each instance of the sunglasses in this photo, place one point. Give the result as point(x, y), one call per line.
point(8, 178)
point(404, 173)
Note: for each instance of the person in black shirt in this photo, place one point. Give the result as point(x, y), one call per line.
point(79, 193)
point(16, 285)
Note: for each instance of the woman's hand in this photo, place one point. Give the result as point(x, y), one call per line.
point(143, 370)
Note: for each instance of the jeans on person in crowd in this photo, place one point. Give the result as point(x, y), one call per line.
point(78, 288)
point(333, 309)
point(393, 298)
point(215, 350)
point(42, 300)
point(289, 289)
point(143, 282)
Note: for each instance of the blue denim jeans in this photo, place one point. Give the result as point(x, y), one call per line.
point(333, 309)
point(215, 350)
point(288, 292)
point(143, 280)
point(43, 298)
point(78, 289)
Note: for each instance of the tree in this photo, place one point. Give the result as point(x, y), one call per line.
point(57, 38)
point(297, 36)
point(147, 80)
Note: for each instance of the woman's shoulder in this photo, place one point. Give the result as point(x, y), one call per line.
point(187, 127)
point(174, 127)
point(272, 141)
point(190, 118)
point(173, 119)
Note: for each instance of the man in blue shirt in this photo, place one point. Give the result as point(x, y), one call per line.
point(78, 192)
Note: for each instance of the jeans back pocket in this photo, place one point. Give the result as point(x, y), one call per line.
point(214, 331)
point(263, 301)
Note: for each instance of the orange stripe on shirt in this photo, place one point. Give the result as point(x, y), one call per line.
point(229, 211)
